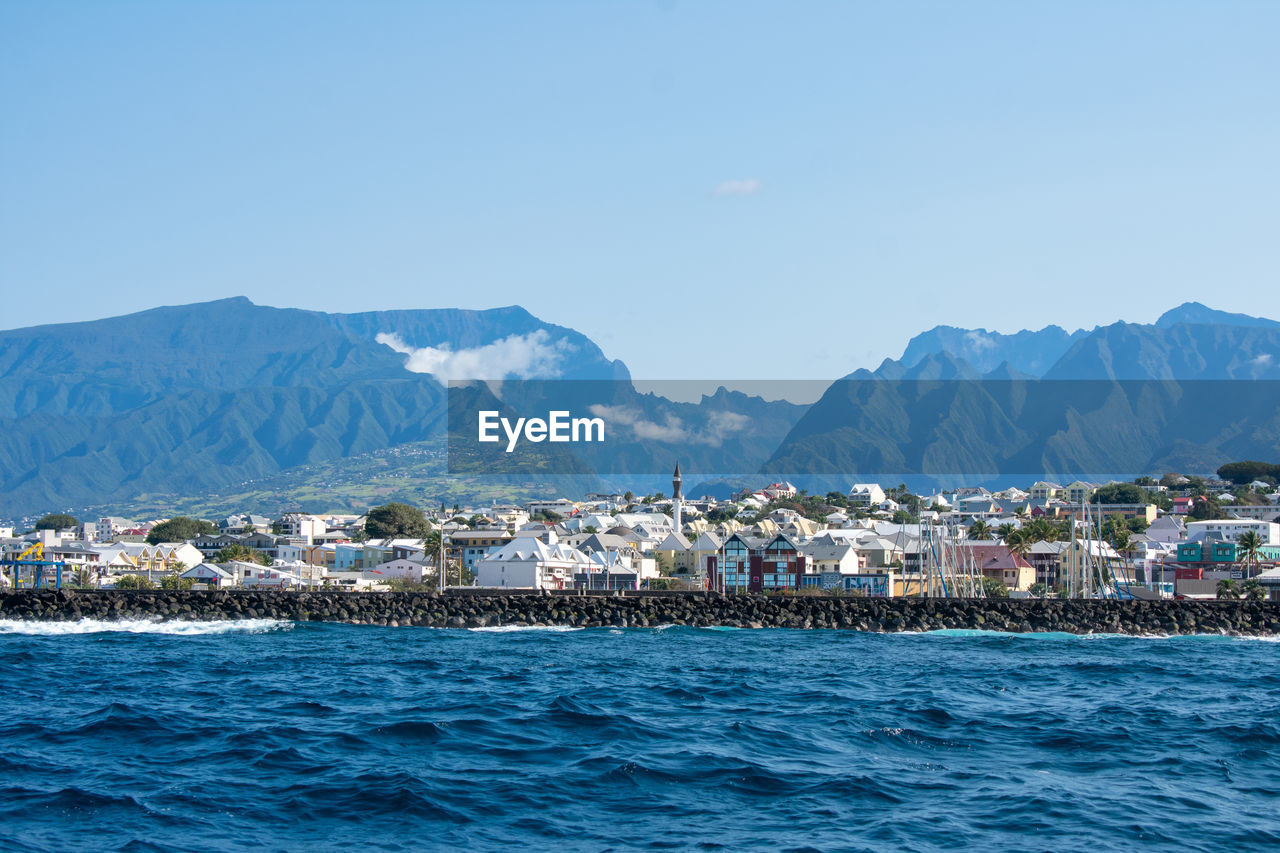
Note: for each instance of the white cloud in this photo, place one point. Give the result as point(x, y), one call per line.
point(521, 356)
point(1262, 360)
point(672, 429)
point(977, 341)
point(740, 186)
point(727, 421)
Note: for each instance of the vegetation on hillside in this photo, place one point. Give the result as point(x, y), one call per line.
point(180, 529)
point(396, 520)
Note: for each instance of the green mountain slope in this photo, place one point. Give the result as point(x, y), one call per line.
point(193, 398)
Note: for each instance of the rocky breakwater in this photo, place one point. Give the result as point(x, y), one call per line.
point(480, 609)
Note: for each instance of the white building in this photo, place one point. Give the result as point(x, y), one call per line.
point(210, 576)
point(254, 576)
point(307, 529)
point(1167, 528)
point(402, 569)
point(1230, 530)
point(562, 507)
point(866, 495)
point(830, 556)
point(1261, 512)
point(530, 563)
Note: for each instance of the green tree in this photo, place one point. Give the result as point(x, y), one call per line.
point(1204, 508)
point(994, 588)
point(979, 529)
point(57, 521)
point(134, 582)
point(1120, 493)
point(396, 521)
point(1041, 530)
point(720, 514)
point(180, 529)
point(241, 553)
point(1253, 590)
point(82, 578)
point(1039, 589)
point(431, 553)
point(1249, 470)
point(409, 585)
point(176, 582)
point(1249, 550)
point(1119, 540)
point(1116, 531)
point(1228, 589)
point(1019, 543)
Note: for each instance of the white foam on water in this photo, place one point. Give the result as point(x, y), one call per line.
point(142, 626)
point(511, 629)
point(1064, 635)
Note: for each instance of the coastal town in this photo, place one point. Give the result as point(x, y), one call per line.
point(1166, 537)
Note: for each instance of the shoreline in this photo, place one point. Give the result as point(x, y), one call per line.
point(476, 609)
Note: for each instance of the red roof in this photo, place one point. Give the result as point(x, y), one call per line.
point(997, 557)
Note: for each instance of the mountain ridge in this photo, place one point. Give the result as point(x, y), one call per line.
point(209, 396)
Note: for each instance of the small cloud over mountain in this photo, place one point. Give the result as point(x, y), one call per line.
point(519, 356)
point(672, 429)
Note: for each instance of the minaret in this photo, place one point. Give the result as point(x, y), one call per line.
point(676, 501)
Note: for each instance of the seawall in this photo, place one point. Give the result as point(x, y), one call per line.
point(479, 609)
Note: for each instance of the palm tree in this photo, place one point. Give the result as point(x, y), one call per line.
point(979, 529)
point(1253, 590)
point(1006, 530)
point(1041, 530)
point(1228, 589)
point(1019, 543)
point(432, 550)
point(1250, 549)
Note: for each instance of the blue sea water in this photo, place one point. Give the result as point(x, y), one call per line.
point(281, 736)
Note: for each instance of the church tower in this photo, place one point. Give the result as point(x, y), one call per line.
point(676, 498)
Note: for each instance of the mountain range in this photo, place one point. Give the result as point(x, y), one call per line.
point(1195, 389)
point(264, 404)
point(207, 397)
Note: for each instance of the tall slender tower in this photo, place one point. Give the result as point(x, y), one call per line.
point(676, 497)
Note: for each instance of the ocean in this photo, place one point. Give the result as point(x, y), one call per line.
point(280, 736)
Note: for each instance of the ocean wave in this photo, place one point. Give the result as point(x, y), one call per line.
point(346, 737)
point(1066, 635)
point(512, 629)
point(142, 626)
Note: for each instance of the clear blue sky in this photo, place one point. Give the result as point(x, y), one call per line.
point(882, 167)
